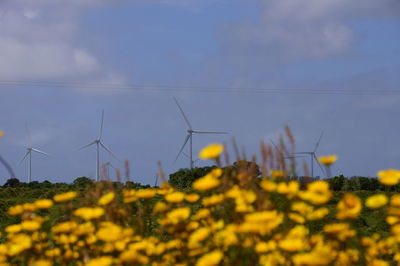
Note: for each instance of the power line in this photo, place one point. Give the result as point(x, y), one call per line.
point(199, 89)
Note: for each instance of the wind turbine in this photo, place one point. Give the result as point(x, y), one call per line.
point(99, 143)
point(108, 165)
point(189, 136)
point(313, 156)
point(29, 151)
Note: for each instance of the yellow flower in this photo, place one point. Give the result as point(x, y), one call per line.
point(349, 207)
point(292, 244)
point(261, 222)
point(206, 183)
point(261, 247)
point(321, 255)
point(201, 214)
point(197, 236)
point(30, 225)
point(212, 151)
point(88, 213)
point(146, 193)
point(395, 200)
point(277, 173)
point(175, 197)
point(109, 232)
point(64, 227)
point(133, 256)
point(14, 228)
point(210, 259)
point(327, 160)
point(84, 229)
point(318, 214)
point(65, 196)
point(106, 199)
point(29, 207)
point(178, 215)
point(389, 177)
point(129, 196)
point(41, 263)
point(100, 261)
point(160, 207)
point(268, 185)
point(191, 198)
point(290, 189)
point(15, 210)
point(1, 133)
point(297, 218)
point(213, 200)
point(376, 201)
point(392, 219)
point(43, 203)
point(52, 253)
point(19, 243)
point(317, 193)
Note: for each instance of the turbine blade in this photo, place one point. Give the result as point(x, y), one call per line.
point(320, 166)
point(109, 151)
point(42, 152)
point(293, 157)
point(7, 166)
point(26, 154)
point(101, 124)
point(29, 135)
point(303, 152)
point(87, 145)
point(319, 140)
point(183, 113)
point(209, 132)
point(276, 147)
point(183, 146)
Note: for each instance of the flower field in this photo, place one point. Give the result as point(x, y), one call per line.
point(227, 218)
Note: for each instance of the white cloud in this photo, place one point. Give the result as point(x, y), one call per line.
point(39, 40)
point(307, 28)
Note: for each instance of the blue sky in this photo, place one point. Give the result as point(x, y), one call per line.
point(297, 45)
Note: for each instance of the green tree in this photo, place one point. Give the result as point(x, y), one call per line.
point(184, 177)
point(12, 182)
point(82, 182)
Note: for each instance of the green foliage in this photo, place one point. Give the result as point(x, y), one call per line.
point(82, 182)
point(337, 183)
point(183, 178)
point(12, 182)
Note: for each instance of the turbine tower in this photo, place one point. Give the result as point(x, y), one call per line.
point(189, 136)
point(108, 165)
point(99, 143)
point(313, 156)
point(29, 151)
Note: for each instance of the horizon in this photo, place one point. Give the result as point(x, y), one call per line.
point(245, 67)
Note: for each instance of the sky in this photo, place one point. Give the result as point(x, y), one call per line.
point(248, 67)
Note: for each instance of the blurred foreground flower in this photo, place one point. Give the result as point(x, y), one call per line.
point(1, 133)
point(389, 177)
point(65, 196)
point(349, 207)
point(212, 151)
point(376, 201)
point(327, 160)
